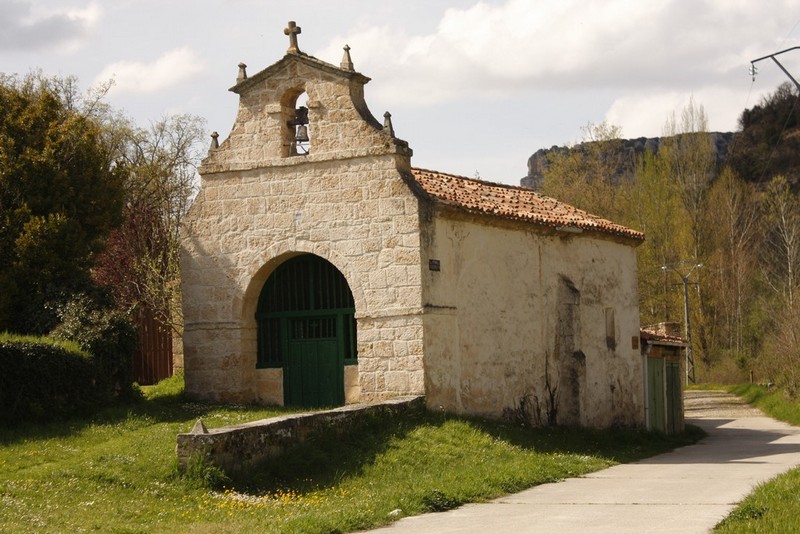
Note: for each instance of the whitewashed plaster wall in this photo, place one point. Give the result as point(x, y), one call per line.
point(492, 314)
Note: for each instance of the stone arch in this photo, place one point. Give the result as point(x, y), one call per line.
point(305, 330)
point(264, 266)
point(282, 251)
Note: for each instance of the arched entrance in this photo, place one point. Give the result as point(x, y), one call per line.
point(306, 326)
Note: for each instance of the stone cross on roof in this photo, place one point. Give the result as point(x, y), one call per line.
point(292, 32)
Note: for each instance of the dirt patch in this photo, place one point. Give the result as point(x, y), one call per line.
point(705, 404)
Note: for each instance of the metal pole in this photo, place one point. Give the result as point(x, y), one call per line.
point(686, 317)
point(690, 375)
point(773, 58)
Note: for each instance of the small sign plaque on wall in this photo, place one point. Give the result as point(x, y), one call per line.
point(434, 265)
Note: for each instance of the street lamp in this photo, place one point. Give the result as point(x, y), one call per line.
point(685, 277)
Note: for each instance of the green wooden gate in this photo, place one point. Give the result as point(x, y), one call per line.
point(655, 393)
point(674, 406)
point(306, 326)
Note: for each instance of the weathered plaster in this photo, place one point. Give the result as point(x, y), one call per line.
point(491, 320)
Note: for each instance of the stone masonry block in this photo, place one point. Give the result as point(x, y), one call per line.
point(400, 349)
point(397, 381)
point(382, 349)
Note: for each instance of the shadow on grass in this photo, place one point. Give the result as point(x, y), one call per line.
point(326, 459)
point(172, 407)
point(616, 444)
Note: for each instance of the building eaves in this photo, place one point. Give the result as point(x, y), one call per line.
point(661, 339)
point(513, 203)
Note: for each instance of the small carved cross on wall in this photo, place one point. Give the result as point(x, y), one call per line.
point(292, 32)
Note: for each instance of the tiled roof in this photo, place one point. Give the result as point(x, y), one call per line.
point(663, 333)
point(515, 203)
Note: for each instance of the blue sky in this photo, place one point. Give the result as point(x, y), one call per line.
point(474, 87)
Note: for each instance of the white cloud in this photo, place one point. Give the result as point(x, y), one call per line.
point(172, 68)
point(28, 26)
point(645, 115)
point(572, 45)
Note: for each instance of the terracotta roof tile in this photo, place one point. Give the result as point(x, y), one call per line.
point(515, 203)
point(661, 339)
point(663, 332)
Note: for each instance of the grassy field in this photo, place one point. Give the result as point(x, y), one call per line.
point(773, 506)
point(116, 471)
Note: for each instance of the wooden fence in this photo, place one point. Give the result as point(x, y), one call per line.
point(152, 360)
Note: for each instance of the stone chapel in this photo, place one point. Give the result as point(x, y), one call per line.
point(321, 268)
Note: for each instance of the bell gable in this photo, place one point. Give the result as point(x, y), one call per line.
point(335, 123)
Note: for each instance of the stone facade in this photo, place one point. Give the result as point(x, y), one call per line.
point(260, 205)
point(477, 295)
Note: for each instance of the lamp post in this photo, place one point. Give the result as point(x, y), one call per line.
point(685, 277)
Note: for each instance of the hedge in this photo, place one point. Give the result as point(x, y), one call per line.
point(43, 379)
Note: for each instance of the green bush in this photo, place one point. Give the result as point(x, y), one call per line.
point(43, 379)
point(109, 337)
point(201, 473)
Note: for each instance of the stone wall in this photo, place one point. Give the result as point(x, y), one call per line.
point(258, 206)
point(239, 447)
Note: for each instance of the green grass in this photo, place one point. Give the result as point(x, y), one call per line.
point(772, 402)
point(116, 471)
point(773, 506)
point(63, 343)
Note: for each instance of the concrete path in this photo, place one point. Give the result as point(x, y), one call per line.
point(687, 490)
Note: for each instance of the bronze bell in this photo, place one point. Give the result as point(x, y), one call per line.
point(301, 134)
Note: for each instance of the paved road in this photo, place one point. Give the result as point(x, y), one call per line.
point(687, 490)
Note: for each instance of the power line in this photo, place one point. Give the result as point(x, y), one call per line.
point(753, 72)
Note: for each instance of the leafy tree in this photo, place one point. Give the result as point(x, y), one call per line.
point(60, 196)
point(732, 263)
point(141, 264)
point(781, 231)
point(767, 144)
point(587, 176)
point(657, 211)
point(692, 161)
point(741, 222)
point(781, 356)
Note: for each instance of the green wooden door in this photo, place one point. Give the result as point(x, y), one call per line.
point(674, 409)
point(655, 393)
point(306, 326)
point(314, 371)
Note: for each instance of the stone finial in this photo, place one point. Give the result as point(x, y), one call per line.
point(199, 428)
point(347, 62)
point(242, 73)
point(387, 124)
point(214, 141)
point(292, 30)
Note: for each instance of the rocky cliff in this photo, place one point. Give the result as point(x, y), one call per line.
point(630, 151)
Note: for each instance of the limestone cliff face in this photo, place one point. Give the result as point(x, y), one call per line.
point(630, 149)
